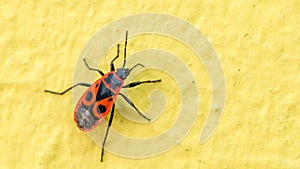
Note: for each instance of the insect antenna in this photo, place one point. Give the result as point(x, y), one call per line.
point(125, 49)
point(135, 67)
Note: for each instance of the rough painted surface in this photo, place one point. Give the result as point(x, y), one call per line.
point(257, 42)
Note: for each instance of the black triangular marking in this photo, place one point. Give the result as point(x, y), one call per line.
point(103, 92)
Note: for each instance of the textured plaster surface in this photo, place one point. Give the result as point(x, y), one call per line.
point(258, 45)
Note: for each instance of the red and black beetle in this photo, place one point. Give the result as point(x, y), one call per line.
point(99, 99)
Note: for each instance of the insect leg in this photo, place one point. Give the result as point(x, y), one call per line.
point(93, 69)
point(133, 84)
point(125, 49)
point(112, 67)
point(63, 92)
point(108, 127)
point(131, 104)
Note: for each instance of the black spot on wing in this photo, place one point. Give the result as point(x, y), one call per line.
point(101, 108)
point(89, 96)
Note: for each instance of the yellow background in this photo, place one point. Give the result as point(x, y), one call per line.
point(258, 45)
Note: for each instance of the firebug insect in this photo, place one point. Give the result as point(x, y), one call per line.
point(99, 99)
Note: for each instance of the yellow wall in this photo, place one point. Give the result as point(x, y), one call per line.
point(257, 42)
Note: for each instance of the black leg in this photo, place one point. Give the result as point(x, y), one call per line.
point(125, 49)
point(133, 84)
point(93, 69)
point(112, 67)
point(63, 92)
point(108, 127)
point(131, 104)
